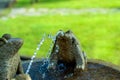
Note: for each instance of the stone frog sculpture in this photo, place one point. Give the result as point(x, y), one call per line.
point(10, 63)
point(64, 59)
point(68, 51)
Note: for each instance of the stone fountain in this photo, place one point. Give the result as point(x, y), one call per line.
point(61, 68)
point(64, 69)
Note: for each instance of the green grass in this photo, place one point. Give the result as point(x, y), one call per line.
point(98, 34)
point(70, 4)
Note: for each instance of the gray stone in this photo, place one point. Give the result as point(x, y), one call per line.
point(10, 63)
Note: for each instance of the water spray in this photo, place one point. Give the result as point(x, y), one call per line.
point(35, 53)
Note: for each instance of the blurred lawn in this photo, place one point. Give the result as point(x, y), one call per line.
point(70, 3)
point(99, 34)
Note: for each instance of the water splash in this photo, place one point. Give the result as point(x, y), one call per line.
point(35, 53)
point(53, 38)
point(43, 68)
point(57, 49)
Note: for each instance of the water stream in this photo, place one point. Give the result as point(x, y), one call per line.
point(35, 53)
point(46, 62)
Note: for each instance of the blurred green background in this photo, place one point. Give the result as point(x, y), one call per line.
point(99, 34)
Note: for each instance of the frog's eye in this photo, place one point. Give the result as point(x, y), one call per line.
point(73, 40)
point(3, 41)
point(6, 36)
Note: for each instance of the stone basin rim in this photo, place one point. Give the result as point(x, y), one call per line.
point(104, 63)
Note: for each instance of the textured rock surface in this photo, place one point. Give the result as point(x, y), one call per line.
point(67, 49)
point(9, 58)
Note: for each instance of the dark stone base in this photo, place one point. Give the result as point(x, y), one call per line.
point(95, 70)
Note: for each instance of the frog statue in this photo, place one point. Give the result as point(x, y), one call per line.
point(10, 63)
point(68, 61)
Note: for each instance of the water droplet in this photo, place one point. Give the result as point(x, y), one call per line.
point(43, 67)
point(43, 75)
point(57, 51)
point(37, 48)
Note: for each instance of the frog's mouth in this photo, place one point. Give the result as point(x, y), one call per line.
point(16, 42)
point(61, 33)
point(11, 47)
point(68, 32)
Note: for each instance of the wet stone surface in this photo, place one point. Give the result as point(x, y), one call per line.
point(39, 71)
point(94, 71)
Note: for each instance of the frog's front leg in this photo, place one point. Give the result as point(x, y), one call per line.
point(4, 39)
point(20, 69)
point(85, 57)
point(22, 77)
point(80, 59)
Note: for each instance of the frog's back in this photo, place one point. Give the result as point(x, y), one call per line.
point(13, 63)
point(9, 58)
